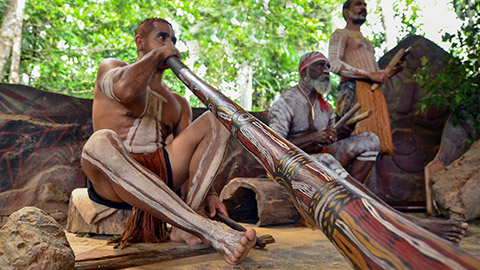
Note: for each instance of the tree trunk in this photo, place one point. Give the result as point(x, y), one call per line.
point(10, 32)
point(17, 42)
point(245, 76)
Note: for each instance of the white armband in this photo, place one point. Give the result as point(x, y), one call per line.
point(107, 84)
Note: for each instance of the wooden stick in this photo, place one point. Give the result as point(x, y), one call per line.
point(359, 117)
point(402, 53)
point(338, 125)
point(260, 242)
point(369, 234)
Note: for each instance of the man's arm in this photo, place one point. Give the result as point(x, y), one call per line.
point(127, 81)
point(312, 141)
point(280, 117)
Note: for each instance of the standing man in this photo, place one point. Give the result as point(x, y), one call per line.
point(303, 117)
point(352, 57)
point(129, 163)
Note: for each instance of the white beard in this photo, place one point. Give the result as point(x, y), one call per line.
point(321, 84)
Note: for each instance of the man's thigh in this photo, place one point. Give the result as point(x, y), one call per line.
point(184, 147)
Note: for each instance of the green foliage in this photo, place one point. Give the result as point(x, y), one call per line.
point(457, 88)
point(407, 11)
point(65, 40)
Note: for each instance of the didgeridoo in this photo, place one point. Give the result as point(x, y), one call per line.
point(369, 234)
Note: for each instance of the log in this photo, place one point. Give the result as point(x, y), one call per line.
point(369, 234)
point(260, 201)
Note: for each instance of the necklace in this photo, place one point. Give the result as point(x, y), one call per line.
point(312, 106)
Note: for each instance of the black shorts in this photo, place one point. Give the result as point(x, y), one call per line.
point(93, 195)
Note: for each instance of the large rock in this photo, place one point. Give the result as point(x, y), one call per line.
point(399, 178)
point(456, 188)
point(42, 135)
point(31, 239)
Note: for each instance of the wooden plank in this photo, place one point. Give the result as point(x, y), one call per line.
point(107, 257)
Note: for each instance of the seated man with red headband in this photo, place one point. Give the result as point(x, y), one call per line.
point(302, 116)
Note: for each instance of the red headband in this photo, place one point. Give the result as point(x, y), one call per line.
point(311, 60)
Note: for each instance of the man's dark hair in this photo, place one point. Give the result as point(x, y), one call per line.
point(147, 25)
point(346, 5)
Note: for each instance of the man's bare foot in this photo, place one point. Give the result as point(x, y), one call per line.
point(246, 243)
point(450, 230)
point(178, 235)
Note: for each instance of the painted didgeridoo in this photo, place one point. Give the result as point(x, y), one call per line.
point(368, 234)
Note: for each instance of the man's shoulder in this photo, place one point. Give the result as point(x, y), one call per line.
point(179, 97)
point(111, 63)
point(341, 31)
point(285, 98)
point(290, 93)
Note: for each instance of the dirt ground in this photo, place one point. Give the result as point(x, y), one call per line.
point(295, 247)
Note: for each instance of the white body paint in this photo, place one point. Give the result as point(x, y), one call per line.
point(106, 152)
point(348, 63)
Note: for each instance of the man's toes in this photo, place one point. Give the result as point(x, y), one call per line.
point(250, 234)
point(244, 241)
point(454, 241)
point(240, 250)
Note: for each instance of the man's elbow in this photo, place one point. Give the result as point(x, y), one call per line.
point(125, 93)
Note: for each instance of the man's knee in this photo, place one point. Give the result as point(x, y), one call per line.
point(331, 163)
point(372, 140)
point(98, 141)
point(215, 126)
point(371, 147)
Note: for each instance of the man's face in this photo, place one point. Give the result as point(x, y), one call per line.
point(318, 76)
point(161, 35)
point(358, 12)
